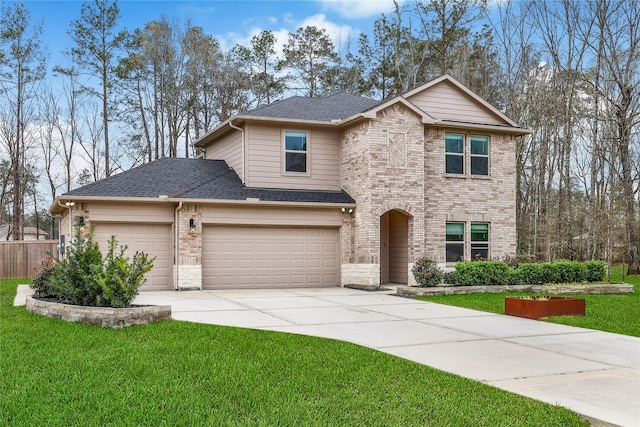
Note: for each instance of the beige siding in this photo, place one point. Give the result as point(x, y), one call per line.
point(121, 212)
point(265, 156)
point(270, 257)
point(154, 239)
point(229, 149)
point(445, 101)
point(271, 216)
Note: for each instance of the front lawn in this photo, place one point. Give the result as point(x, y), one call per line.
point(619, 314)
point(176, 373)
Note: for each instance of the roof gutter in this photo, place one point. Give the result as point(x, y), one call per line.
point(163, 199)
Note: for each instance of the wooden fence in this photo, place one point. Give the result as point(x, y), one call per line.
point(19, 258)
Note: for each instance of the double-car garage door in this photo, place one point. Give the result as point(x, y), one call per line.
point(269, 257)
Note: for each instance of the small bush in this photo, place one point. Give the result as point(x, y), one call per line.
point(595, 270)
point(119, 279)
point(571, 271)
point(450, 278)
point(482, 273)
point(527, 274)
point(41, 279)
point(84, 277)
point(426, 272)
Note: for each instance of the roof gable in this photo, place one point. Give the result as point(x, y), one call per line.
point(333, 107)
point(446, 99)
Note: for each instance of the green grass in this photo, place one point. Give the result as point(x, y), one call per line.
point(175, 373)
point(619, 314)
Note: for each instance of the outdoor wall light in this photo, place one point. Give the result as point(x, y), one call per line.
point(343, 210)
point(69, 203)
point(192, 226)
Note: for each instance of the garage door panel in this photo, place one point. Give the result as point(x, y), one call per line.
point(270, 256)
point(154, 239)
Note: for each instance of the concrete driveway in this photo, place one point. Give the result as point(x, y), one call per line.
point(596, 374)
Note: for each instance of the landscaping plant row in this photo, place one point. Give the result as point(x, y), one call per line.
point(486, 273)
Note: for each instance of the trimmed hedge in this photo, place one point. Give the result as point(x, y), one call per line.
point(484, 273)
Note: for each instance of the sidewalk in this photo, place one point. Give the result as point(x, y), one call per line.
point(596, 374)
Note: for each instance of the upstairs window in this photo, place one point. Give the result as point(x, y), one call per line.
point(480, 241)
point(454, 158)
point(479, 155)
point(295, 151)
point(455, 241)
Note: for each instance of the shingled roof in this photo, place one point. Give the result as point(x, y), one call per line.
point(195, 179)
point(333, 107)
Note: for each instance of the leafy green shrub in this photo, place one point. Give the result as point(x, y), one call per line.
point(84, 277)
point(549, 273)
point(482, 273)
point(595, 270)
point(41, 279)
point(119, 279)
point(426, 272)
point(570, 272)
point(73, 281)
point(527, 274)
point(450, 278)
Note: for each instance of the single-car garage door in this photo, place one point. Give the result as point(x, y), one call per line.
point(269, 257)
point(154, 239)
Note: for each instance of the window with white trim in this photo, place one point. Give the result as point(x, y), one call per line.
point(479, 241)
point(455, 241)
point(454, 157)
point(295, 151)
point(479, 148)
point(458, 147)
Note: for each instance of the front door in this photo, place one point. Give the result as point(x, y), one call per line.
point(394, 247)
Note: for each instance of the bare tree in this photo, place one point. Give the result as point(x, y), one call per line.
point(21, 70)
point(97, 45)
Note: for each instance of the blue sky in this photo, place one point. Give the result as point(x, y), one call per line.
point(229, 22)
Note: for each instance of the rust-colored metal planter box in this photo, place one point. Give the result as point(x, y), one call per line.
point(537, 307)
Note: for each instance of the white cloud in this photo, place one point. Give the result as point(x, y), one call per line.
point(355, 9)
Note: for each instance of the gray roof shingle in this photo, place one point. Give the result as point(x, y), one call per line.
point(195, 179)
point(333, 107)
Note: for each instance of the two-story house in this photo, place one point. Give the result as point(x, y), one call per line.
point(309, 192)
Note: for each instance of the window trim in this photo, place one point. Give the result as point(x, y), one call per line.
point(467, 242)
point(307, 153)
point(466, 155)
point(486, 156)
point(480, 242)
point(450, 153)
point(455, 242)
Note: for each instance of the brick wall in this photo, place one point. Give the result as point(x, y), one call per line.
point(394, 162)
point(189, 268)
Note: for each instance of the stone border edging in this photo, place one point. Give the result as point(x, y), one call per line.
point(414, 291)
point(107, 317)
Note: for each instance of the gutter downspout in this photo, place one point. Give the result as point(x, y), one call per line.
point(176, 255)
point(231, 125)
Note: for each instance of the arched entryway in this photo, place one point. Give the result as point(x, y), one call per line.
point(394, 247)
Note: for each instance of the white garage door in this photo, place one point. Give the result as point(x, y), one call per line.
point(154, 239)
point(269, 257)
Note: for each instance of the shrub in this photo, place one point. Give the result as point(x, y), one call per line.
point(482, 273)
point(119, 279)
point(41, 279)
point(527, 274)
point(426, 272)
point(570, 272)
point(595, 270)
point(450, 278)
point(549, 273)
point(84, 277)
point(74, 281)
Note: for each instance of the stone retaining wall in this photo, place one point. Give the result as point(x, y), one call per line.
point(412, 292)
point(106, 317)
